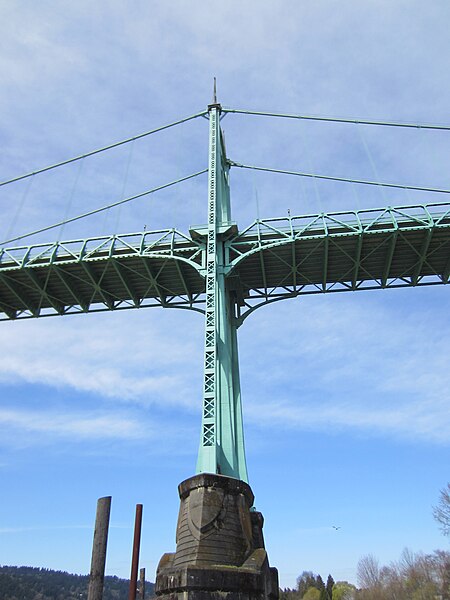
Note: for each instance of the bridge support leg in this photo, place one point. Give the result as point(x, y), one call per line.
point(221, 448)
point(220, 551)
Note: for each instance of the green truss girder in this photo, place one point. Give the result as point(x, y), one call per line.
point(154, 268)
point(335, 252)
point(272, 258)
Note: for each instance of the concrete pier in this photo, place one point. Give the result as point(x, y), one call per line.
point(220, 551)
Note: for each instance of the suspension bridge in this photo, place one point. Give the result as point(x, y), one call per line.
point(225, 272)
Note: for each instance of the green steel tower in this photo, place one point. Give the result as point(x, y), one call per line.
point(222, 435)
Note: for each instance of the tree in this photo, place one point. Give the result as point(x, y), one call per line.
point(329, 587)
point(311, 594)
point(414, 577)
point(319, 583)
point(368, 572)
point(321, 587)
point(342, 590)
point(305, 581)
point(441, 512)
point(440, 563)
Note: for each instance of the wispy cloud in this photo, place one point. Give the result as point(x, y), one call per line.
point(408, 422)
point(74, 425)
point(328, 369)
point(339, 370)
point(149, 365)
point(31, 528)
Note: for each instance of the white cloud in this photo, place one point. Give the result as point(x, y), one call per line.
point(332, 367)
point(135, 358)
point(360, 365)
point(407, 422)
point(75, 426)
point(43, 528)
point(54, 528)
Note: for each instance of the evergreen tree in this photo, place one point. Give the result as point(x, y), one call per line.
point(306, 580)
point(329, 587)
point(31, 583)
point(320, 584)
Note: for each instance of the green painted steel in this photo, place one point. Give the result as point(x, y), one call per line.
point(153, 268)
point(278, 258)
point(222, 436)
point(269, 260)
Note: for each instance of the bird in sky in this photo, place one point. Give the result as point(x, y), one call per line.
point(334, 527)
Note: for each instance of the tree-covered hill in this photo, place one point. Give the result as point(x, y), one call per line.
point(31, 583)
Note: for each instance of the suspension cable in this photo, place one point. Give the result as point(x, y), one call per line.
point(337, 119)
point(97, 210)
point(115, 145)
point(344, 179)
point(371, 159)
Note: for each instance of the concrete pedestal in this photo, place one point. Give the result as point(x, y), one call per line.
point(220, 546)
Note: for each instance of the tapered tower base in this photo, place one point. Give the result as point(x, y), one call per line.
point(220, 546)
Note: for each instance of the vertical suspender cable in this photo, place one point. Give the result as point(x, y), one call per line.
point(124, 186)
point(19, 207)
point(69, 203)
point(311, 167)
point(371, 161)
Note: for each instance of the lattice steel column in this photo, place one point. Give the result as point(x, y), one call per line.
point(222, 439)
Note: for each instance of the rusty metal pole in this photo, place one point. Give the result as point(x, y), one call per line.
point(136, 547)
point(142, 584)
point(98, 562)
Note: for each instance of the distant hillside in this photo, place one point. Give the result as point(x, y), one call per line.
point(30, 583)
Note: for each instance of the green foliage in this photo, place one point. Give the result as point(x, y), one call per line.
point(312, 594)
point(329, 588)
point(342, 590)
point(306, 580)
point(30, 583)
point(288, 594)
point(319, 583)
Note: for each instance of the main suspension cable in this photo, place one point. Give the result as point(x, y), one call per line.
point(343, 179)
point(337, 119)
point(102, 208)
point(115, 145)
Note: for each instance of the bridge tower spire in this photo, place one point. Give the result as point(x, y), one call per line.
point(222, 437)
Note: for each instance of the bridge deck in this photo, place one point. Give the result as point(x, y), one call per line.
point(272, 258)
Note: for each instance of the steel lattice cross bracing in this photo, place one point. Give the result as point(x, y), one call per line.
point(226, 273)
point(272, 258)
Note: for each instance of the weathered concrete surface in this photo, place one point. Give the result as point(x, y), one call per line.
point(220, 551)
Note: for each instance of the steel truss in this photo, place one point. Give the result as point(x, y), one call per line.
point(154, 268)
point(278, 258)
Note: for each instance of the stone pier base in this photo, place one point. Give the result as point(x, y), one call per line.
point(220, 551)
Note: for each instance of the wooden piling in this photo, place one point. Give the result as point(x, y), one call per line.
point(142, 584)
point(136, 547)
point(98, 562)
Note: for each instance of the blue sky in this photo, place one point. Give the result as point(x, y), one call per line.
point(346, 396)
